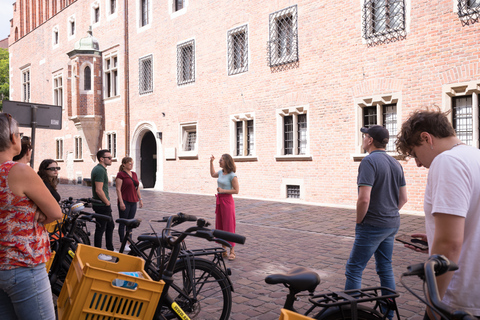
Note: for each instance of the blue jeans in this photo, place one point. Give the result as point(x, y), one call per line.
point(371, 240)
point(128, 213)
point(25, 294)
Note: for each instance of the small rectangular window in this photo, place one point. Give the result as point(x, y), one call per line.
point(145, 12)
point(463, 118)
point(112, 143)
point(113, 6)
point(283, 42)
point(288, 134)
point(390, 123)
point(78, 148)
point(237, 50)
point(59, 149)
point(383, 21)
point(111, 76)
point(146, 75)
point(188, 140)
point(58, 90)
point(178, 4)
point(26, 85)
point(96, 15)
point(293, 191)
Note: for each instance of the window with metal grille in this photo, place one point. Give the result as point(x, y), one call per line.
point(78, 148)
point(469, 11)
point(383, 21)
point(111, 76)
point(59, 149)
point(390, 123)
point(369, 116)
point(87, 78)
point(146, 74)
point(237, 50)
point(178, 5)
point(283, 37)
point(188, 138)
point(293, 191)
point(463, 118)
point(111, 138)
point(144, 12)
point(245, 139)
point(26, 85)
point(191, 138)
point(288, 134)
point(57, 90)
point(186, 62)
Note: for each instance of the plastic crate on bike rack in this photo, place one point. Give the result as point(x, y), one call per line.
point(88, 292)
point(290, 315)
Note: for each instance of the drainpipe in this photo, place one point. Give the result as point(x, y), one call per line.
point(127, 81)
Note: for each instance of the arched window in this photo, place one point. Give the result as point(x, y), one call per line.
point(87, 79)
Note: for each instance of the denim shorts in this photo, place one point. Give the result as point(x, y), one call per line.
point(25, 294)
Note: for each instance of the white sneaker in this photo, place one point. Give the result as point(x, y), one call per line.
point(104, 257)
point(127, 248)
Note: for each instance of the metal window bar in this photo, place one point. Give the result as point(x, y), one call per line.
point(186, 62)
point(250, 138)
point(463, 119)
point(302, 133)
point(283, 37)
point(383, 21)
point(390, 123)
point(293, 191)
point(145, 12)
point(468, 11)
point(191, 139)
point(237, 50)
point(239, 125)
point(288, 134)
point(146, 75)
point(87, 79)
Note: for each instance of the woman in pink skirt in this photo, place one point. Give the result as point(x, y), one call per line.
point(227, 185)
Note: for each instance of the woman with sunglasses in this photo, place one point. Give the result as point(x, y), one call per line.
point(25, 206)
point(48, 171)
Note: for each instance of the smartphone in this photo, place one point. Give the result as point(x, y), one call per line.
point(417, 243)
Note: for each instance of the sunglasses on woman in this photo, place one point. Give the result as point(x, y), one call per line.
point(53, 168)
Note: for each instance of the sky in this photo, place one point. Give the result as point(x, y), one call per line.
point(6, 13)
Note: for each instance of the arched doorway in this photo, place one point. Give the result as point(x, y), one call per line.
point(148, 160)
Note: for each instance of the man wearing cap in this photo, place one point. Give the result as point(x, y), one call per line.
point(381, 194)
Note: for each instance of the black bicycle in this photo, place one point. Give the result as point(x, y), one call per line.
point(197, 283)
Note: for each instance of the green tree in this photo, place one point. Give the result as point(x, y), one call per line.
point(4, 85)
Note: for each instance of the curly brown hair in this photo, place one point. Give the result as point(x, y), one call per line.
point(431, 120)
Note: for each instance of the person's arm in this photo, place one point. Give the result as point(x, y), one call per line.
point(118, 186)
point(23, 181)
point(363, 202)
point(212, 169)
point(235, 187)
point(100, 193)
point(402, 197)
point(448, 240)
point(139, 198)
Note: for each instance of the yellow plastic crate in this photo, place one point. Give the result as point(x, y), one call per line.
point(290, 315)
point(88, 292)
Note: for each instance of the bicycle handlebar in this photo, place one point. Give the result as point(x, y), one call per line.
point(437, 265)
point(228, 236)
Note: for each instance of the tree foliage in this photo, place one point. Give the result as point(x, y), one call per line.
point(4, 78)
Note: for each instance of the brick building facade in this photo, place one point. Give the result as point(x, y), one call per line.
point(282, 85)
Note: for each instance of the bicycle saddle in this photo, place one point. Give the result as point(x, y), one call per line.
point(298, 279)
point(129, 223)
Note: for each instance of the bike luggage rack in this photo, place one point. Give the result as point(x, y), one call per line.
point(215, 252)
point(355, 296)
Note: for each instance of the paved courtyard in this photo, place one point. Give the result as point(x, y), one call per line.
point(280, 236)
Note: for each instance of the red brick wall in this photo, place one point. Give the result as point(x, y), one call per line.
point(335, 67)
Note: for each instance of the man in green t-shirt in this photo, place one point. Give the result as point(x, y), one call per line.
point(100, 192)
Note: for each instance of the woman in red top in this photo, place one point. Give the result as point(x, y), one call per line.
point(128, 194)
point(25, 206)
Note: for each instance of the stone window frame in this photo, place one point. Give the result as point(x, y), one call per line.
point(108, 73)
point(111, 141)
point(378, 100)
point(59, 149)
point(231, 50)
point(108, 9)
point(185, 129)
point(141, 27)
point(181, 81)
point(95, 6)
point(244, 118)
point(58, 87)
point(292, 182)
point(460, 89)
point(77, 148)
point(71, 27)
point(280, 149)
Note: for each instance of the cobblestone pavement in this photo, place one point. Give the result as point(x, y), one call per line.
point(280, 236)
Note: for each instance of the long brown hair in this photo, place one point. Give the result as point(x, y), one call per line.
point(42, 172)
point(229, 164)
point(125, 160)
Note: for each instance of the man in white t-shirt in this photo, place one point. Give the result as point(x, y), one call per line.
point(451, 204)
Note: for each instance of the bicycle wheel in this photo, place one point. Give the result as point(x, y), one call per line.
point(81, 236)
point(148, 251)
point(344, 313)
point(201, 289)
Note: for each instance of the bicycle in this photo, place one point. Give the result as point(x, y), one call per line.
point(64, 246)
point(436, 265)
point(200, 288)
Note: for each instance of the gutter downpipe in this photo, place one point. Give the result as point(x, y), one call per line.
point(127, 82)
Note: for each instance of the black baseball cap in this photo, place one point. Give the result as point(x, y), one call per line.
point(377, 132)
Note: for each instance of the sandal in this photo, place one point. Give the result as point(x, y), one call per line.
point(225, 254)
point(231, 256)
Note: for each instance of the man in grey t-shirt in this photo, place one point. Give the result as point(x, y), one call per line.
point(381, 194)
